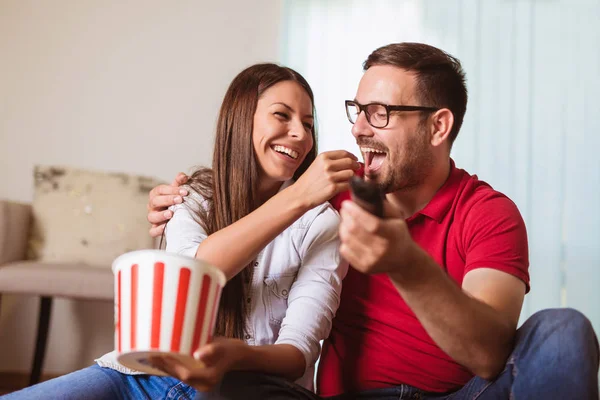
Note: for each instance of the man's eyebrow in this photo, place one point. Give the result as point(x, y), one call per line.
point(369, 102)
point(292, 110)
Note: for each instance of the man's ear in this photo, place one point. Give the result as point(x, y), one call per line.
point(442, 123)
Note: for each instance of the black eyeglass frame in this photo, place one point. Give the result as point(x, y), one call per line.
point(388, 109)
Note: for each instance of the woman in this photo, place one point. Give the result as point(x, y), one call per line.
point(261, 216)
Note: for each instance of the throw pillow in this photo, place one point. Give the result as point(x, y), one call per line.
point(88, 217)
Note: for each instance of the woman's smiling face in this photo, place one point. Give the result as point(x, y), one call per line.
point(282, 132)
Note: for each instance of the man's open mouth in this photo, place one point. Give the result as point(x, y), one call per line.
point(374, 158)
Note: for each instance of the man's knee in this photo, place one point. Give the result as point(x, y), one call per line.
point(565, 326)
point(556, 350)
point(561, 320)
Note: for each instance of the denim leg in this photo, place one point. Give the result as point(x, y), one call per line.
point(555, 357)
point(97, 383)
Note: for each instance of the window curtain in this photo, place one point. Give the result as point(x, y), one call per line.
point(532, 128)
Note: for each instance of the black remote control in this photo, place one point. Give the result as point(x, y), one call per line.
point(367, 195)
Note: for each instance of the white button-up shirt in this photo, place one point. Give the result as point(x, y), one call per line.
point(296, 284)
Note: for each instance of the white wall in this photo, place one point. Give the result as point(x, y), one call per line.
point(123, 86)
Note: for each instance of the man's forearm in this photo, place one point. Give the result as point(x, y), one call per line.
point(468, 330)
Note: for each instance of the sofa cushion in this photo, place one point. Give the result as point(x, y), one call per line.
point(88, 217)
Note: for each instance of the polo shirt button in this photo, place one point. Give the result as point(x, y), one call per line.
point(248, 300)
point(256, 263)
point(248, 337)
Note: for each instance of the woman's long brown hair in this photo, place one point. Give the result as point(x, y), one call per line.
point(230, 188)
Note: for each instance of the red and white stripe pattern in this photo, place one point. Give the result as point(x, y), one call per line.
point(162, 307)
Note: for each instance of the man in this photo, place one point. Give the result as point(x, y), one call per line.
point(431, 305)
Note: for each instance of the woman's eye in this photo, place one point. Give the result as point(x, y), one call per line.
point(281, 115)
point(308, 126)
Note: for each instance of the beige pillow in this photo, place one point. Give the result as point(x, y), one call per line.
point(88, 217)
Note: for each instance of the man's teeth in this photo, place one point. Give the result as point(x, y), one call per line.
point(285, 150)
point(371, 150)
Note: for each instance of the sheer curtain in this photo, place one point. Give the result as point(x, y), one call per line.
point(532, 128)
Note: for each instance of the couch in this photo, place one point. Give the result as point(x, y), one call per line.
point(46, 280)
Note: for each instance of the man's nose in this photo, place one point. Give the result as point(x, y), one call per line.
point(361, 126)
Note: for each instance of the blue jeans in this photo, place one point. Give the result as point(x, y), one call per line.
point(97, 383)
point(555, 357)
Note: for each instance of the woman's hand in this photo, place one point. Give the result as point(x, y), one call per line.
point(327, 176)
point(214, 361)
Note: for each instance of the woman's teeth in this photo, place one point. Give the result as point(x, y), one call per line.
point(280, 149)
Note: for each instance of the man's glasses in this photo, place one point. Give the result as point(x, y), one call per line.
point(378, 115)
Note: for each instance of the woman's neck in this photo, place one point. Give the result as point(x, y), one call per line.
point(268, 189)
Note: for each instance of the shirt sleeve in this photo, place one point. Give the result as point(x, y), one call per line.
point(315, 294)
point(183, 232)
point(495, 237)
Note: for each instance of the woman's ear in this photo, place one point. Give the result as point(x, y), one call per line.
point(442, 123)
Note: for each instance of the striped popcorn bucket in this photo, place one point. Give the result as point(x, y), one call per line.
point(164, 304)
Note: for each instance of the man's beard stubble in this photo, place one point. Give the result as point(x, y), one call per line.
point(414, 167)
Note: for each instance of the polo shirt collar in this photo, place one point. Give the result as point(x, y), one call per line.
point(440, 204)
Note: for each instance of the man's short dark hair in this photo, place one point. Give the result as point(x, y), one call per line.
point(440, 77)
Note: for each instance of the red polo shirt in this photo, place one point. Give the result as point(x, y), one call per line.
point(376, 340)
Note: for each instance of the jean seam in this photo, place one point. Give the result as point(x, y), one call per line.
point(510, 362)
point(514, 372)
point(476, 396)
point(176, 391)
